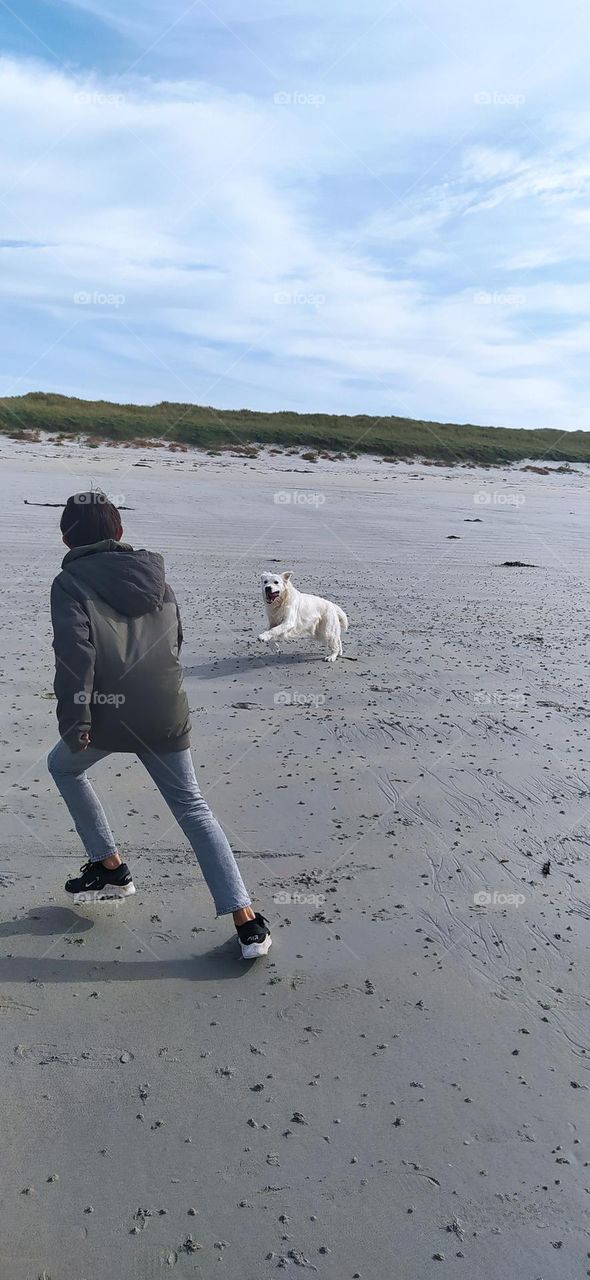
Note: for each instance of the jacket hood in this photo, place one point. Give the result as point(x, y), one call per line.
point(131, 582)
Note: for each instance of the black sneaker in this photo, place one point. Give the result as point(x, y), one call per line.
point(254, 937)
point(97, 883)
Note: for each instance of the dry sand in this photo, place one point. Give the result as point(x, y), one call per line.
point(401, 1088)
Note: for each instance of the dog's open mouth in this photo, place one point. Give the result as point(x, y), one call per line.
point(270, 594)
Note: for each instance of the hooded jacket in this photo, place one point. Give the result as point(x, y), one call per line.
point(117, 636)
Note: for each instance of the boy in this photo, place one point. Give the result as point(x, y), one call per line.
point(118, 682)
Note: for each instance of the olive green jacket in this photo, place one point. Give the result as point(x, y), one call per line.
point(117, 636)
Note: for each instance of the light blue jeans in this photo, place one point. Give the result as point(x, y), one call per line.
point(174, 775)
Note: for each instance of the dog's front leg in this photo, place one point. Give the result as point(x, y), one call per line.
point(274, 633)
point(268, 637)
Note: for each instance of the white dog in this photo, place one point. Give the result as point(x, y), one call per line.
point(292, 613)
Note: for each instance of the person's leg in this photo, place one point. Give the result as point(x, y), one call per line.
point(68, 770)
point(174, 775)
point(105, 875)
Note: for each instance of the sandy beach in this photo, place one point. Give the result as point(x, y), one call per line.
point(401, 1087)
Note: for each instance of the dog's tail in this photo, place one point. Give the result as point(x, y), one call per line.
point(342, 618)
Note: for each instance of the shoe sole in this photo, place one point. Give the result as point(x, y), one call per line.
point(108, 894)
point(252, 950)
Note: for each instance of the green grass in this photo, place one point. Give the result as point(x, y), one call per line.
point(210, 428)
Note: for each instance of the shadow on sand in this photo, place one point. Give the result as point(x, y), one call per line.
point(223, 961)
point(241, 665)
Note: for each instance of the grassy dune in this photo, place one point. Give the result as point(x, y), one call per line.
point(209, 428)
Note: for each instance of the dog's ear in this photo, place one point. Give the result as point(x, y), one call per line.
point(286, 576)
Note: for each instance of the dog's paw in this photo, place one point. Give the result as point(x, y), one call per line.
point(331, 657)
point(265, 636)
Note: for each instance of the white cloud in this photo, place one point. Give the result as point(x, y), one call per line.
point(333, 251)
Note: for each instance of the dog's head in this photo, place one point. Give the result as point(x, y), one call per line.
point(274, 586)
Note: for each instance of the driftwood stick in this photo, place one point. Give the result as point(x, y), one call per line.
point(62, 504)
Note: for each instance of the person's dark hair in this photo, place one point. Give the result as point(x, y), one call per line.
point(88, 518)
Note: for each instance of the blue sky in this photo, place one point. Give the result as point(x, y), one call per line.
point(347, 207)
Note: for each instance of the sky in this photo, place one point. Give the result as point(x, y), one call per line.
point(337, 207)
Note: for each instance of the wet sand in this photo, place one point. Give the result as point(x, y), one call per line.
point(402, 1086)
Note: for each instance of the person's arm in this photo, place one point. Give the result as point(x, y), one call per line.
point(171, 596)
point(180, 631)
point(74, 667)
